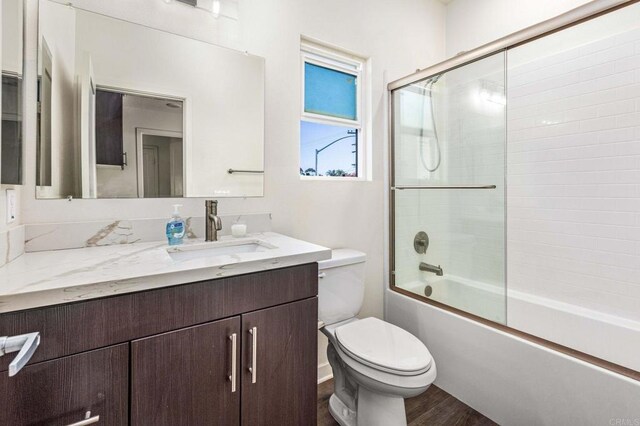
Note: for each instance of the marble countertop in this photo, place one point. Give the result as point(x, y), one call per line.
point(62, 276)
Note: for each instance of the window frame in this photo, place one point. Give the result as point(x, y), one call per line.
point(334, 59)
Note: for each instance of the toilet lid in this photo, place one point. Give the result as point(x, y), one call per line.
point(384, 346)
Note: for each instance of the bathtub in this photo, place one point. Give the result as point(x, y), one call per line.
point(511, 380)
point(605, 336)
point(484, 300)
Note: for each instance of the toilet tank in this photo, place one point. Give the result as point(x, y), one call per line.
point(340, 285)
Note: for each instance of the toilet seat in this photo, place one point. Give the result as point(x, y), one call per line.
point(383, 347)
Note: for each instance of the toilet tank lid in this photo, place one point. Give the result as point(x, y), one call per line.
point(342, 257)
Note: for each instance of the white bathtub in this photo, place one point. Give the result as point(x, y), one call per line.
point(511, 380)
point(609, 337)
point(484, 300)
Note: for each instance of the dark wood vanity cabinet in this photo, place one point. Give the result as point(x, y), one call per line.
point(92, 385)
point(165, 356)
point(183, 377)
point(283, 389)
point(188, 376)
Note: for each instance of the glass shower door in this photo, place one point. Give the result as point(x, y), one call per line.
point(448, 188)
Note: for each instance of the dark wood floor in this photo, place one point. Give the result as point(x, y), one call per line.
point(434, 407)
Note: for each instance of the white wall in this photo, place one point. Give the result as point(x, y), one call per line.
point(472, 23)
point(334, 214)
point(11, 35)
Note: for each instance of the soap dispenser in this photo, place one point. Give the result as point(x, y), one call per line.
point(176, 227)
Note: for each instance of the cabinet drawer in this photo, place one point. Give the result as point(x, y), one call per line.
point(82, 326)
point(62, 391)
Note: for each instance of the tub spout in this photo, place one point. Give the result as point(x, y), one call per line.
point(431, 268)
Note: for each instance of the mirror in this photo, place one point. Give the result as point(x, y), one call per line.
point(127, 111)
point(11, 153)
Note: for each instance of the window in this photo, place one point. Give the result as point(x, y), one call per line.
point(331, 128)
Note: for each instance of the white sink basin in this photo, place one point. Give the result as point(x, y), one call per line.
point(217, 249)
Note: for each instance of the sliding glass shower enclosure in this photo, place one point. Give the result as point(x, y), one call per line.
point(449, 135)
point(515, 184)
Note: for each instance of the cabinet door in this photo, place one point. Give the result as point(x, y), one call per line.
point(184, 377)
point(279, 356)
point(70, 389)
point(108, 122)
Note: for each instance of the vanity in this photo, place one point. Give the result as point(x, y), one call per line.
point(104, 326)
point(223, 339)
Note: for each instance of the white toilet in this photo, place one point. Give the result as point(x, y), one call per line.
point(375, 364)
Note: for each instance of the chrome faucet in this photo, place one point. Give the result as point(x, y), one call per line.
point(212, 222)
point(431, 268)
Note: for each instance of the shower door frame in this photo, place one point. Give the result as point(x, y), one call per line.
point(569, 19)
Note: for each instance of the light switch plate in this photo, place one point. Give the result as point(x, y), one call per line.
point(11, 205)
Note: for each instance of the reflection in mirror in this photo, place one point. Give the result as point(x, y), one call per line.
point(11, 154)
point(43, 150)
point(143, 128)
point(143, 113)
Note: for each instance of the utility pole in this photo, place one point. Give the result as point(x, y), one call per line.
point(351, 134)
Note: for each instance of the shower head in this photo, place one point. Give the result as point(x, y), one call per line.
point(433, 80)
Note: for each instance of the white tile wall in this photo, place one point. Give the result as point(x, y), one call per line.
point(573, 170)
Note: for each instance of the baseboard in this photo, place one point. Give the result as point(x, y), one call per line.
point(324, 372)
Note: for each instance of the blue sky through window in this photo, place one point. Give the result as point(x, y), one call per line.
point(338, 156)
point(330, 92)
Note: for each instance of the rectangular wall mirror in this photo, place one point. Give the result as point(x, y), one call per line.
point(143, 113)
point(11, 155)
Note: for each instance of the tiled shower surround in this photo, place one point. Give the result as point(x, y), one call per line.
point(572, 197)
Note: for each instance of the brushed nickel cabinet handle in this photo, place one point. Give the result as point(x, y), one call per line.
point(87, 421)
point(234, 352)
point(254, 354)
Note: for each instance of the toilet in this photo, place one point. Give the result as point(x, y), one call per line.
point(376, 365)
